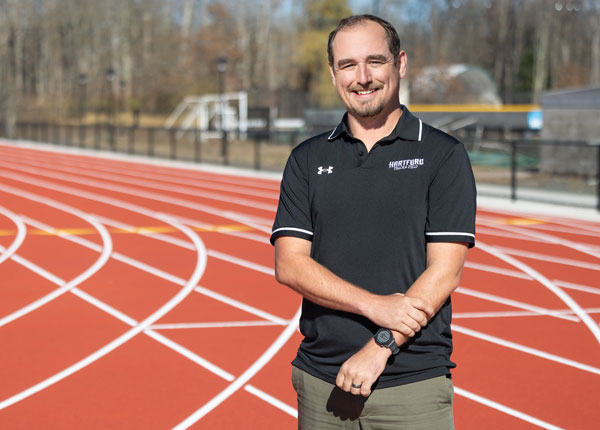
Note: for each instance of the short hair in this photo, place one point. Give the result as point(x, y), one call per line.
point(391, 34)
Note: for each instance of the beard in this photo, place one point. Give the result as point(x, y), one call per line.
point(367, 110)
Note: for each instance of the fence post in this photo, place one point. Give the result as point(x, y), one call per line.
point(44, 132)
point(197, 145)
point(513, 170)
point(256, 141)
point(97, 135)
point(81, 135)
point(150, 142)
point(598, 177)
point(224, 147)
point(173, 143)
point(111, 137)
point(56, 133)
point(130, 148)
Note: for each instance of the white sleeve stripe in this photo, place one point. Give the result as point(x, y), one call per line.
point(450, 233)
point(293, 229)
point(420, 129)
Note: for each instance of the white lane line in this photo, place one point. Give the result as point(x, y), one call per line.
point(510, 314)
point(165, 179)
point(272, 400)
point(250, 236)
point(514, 303)
point(163, 198)
point(166, 276)
point(104, 307)
point(107, 249)
point(577, 287)
point(19, 238)
point(505, 409)
point(240, 305)
point(38, 270)
point(241, 380)
point(132, 322)
point(214, 324)
point(516, 274)
point(139, 163)
point(565, 222)
point(153, 185)
point(548, 238)
point(190, 355)
point(498, 270)
point(250, 221)
point(581, 229)
point(195, 277)
point(549, 258)
point(241, 262)
point(526, 349)
point(170, 343)
point(505, 234)
point(572, 304)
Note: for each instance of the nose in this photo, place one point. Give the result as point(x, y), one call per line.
point(363, 75)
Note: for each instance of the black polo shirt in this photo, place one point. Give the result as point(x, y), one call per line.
point(369, 216)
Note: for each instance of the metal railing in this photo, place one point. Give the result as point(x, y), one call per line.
point(513, 165)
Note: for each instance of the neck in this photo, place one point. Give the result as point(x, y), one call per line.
point(372, 129)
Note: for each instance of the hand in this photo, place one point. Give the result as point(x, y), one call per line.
point(406, 315)
point(363, 369)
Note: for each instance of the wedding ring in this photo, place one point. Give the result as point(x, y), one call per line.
point(356, 385)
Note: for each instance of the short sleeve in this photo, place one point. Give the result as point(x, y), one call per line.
point(293, 212)
point(452, 200)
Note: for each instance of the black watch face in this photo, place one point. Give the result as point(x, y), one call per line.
point(384, 336)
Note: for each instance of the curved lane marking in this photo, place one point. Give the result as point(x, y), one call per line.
point(241, 380)
point(505, 409)
point(137, 163)
point(138, 191)
point(572, 304)
point(546, 237)
point(19, 238)
point(162, 177)
point(182, 294)
point(234, 216)
point(107, 249)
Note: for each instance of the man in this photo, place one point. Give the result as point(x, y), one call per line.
point(372, 229)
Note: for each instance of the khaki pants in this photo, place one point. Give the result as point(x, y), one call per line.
point(423, 405)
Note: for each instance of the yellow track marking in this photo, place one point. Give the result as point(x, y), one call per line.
point(520, 221)
point(136, 230)
point(473, 108)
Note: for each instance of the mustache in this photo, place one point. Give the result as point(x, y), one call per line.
point(373, 86)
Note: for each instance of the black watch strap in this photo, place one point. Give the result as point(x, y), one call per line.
point(384, 338)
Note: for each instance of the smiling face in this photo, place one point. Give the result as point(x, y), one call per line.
point(364, 71)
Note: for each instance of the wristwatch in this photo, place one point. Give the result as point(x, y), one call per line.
point(384, 338)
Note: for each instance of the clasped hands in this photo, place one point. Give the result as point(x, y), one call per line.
point(401, 314)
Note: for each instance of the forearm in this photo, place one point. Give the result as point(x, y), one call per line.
point(319, 285)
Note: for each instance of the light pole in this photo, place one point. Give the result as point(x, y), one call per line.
point(222, 69)
point(82, 80)
point(111, 75)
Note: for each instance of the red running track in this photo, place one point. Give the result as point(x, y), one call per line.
point(141, 295)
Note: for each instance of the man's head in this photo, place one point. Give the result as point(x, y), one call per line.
point(392, 37)
point(366, 66)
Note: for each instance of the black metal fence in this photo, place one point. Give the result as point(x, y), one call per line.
point(506, 163)
point(254, 149)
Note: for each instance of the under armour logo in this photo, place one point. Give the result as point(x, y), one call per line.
point(329, 170)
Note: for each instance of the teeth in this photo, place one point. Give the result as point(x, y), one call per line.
point(364, 92)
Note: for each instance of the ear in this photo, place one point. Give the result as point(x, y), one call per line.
point(401, 64)
point(332, 75)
